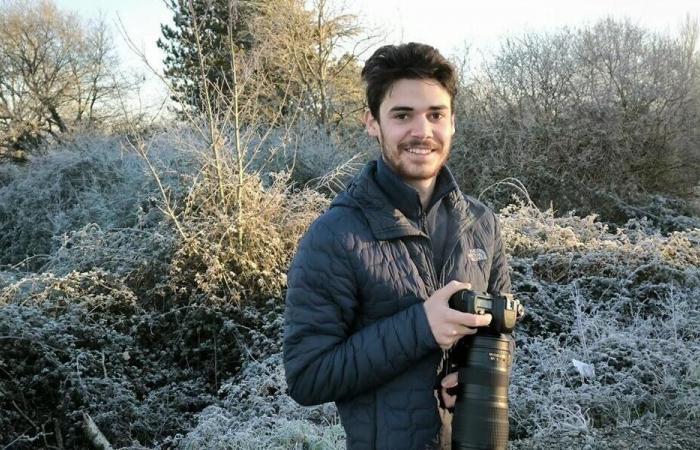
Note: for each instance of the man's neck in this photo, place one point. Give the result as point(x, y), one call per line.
point(425, 190)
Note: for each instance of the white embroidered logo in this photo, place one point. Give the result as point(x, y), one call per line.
point(476, 254)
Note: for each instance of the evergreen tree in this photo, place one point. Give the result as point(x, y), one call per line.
point(198, 47)
point(288, 59)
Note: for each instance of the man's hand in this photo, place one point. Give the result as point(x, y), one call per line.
point(449, 325)
point(449, 381)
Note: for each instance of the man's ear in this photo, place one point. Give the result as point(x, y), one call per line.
point(371, 124)
point(453, 124)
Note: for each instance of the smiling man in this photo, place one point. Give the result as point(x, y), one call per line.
point(367, 321)
point(414, 125)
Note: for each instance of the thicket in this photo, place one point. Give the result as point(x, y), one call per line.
point(139, 327)
point(137, 322)
point(88, 180)
point(598, 119)
point(605, 355)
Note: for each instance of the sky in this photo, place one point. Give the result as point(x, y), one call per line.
point(482, 24)
point(448, 25)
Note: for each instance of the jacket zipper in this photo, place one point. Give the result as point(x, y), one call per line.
point(445, 363)
point(434, 281)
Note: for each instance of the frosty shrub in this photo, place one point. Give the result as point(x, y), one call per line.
point(84, 342)
point(607, 351)
point(314, 157)
point(667, 214)
point(87, 180)
point(236, 225)
point(256, 413)
point(141, 255)
point(594, 117)
point(231, 254)
point(7, 173)
point(159, 274)
point(329, 160)
point(75, 344)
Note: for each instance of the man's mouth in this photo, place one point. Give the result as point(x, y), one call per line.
point(418, 150)
point(418, 147)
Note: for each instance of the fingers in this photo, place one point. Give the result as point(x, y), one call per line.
point(458, 324)
point(451, 288)
point(452, 333)
point(448, 325)
point(471, 320)
point(447, 399)
point(451, 380)
point(448, 382)
point(467, 319)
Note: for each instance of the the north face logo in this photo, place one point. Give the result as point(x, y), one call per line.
point(476, 254)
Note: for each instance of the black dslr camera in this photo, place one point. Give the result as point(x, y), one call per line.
point(484, 359)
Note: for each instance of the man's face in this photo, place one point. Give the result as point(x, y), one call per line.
point(415, 128)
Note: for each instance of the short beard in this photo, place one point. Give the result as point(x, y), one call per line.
point(401, 147)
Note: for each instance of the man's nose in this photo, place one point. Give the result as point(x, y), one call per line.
point(421, 128)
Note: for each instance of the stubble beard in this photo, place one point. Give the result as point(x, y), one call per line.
point(403, 171)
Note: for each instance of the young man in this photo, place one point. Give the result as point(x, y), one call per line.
point(367, 315)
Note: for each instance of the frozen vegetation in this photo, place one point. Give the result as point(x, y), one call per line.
point(163, 322)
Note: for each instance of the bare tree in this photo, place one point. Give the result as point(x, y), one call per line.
point(56, 71)
point(320, 45)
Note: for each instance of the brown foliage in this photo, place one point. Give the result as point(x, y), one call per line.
point(587, 116)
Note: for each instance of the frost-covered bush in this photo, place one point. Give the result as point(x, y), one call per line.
point(665, 214)
point(232, 253)
point(237, 238)
point(609, 343)
point(87, 180)
point(139, 254)
point(7, 173)
point(594, 117)
point(142, 369)
point(140, 312)
point(256, 413)
point(313, 156)
point(329, 160)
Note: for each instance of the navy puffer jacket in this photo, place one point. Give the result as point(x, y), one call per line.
point(356, 332)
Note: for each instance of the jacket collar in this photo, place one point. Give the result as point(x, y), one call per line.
point(392, 207)
point(404, 197)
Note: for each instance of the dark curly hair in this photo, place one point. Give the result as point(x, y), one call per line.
point(391, 63)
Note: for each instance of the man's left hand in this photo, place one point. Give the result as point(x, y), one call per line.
point(449, 381)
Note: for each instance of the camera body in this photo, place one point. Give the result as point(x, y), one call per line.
point(504, 308)
point(483, 361)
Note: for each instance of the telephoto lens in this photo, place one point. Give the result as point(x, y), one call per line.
point(480, 418)
point(483, 361)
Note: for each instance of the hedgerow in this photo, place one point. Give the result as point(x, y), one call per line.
point(137, 324)
point(608, 346)
point(84, 181)
point(83, 343)
point(622, 304)
point(166, 329)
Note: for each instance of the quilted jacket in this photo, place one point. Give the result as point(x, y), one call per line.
point(356, 332)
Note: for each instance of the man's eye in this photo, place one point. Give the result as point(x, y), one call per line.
point(400, 116)
point(437, 115)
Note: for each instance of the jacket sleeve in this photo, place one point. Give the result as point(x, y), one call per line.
point(325, 358)
point(499, 277)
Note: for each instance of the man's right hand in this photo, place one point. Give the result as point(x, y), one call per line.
point(449, 325)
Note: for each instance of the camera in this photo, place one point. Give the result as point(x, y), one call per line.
point(483, 360)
